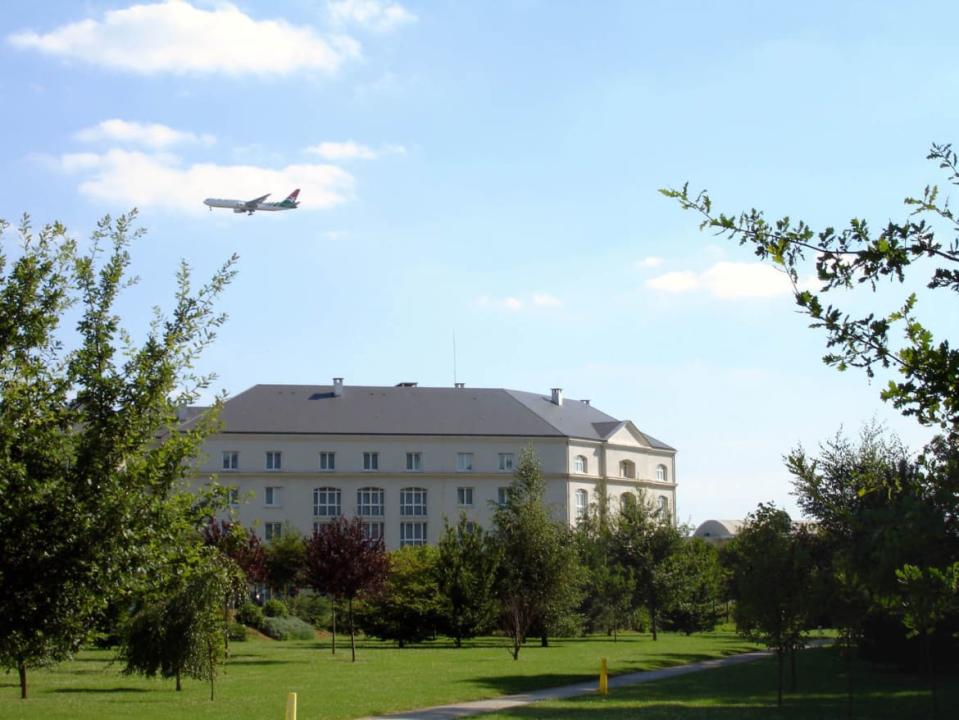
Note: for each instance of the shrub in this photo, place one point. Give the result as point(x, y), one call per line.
point(313, 608)
point(250, 614)
point(288, 628)
point(275, 608)
point(236, 632)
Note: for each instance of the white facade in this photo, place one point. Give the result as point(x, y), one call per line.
point(300, 479)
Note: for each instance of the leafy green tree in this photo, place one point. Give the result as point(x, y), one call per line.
point(182, 632)
point(538, 575)
point(342, 562)
point(608, 603)
point(695, 582)
point(771, 577)
point(928, 388)
point(407, 607)
point(466, 576)
point(285, 558)
point(92, 455)
point(644, 538)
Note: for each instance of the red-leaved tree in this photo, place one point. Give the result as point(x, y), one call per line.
point(240, 545)
point(342, 562)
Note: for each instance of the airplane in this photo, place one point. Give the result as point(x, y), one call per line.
point(251, 206)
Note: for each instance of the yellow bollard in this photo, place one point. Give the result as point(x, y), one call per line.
point(291, 706)
point(603, 680)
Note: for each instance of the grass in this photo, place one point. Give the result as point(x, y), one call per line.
point(257, 678)
point(749, 691)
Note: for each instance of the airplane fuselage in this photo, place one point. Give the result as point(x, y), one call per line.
point(238, 206)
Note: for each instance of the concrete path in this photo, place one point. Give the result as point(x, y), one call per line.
point(504, 702)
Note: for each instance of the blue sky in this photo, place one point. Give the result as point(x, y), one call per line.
point(491, 170)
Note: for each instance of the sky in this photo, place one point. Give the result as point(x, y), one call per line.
point(485, 175)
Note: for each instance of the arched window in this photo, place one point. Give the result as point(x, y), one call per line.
point(661, 473)
point(370, 502)
point(627, 500)
point(664, 505)
point(327, 502)
point(627, 469)
point(413, 501)
point(582, 501)
point(580, 464)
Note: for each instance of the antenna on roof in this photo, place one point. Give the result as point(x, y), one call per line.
point(454, 359)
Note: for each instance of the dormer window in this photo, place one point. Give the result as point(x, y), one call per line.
point(661, 475)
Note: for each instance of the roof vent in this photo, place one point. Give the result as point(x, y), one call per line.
point(557, 398)
point(406, 384)
point(459, 386)
point(337, 387)
point(585, 402)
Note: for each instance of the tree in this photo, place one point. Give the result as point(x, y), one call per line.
point(644, 538)
point(182, 632)
point(771, 573)
point(342, 562)
point(241, 545)
point(466, 576)
point(407, 606)
point(928, 388)
point(695, 583)
point(538, 576)
point(285, 556)
point(92, 457)
point(609, 601)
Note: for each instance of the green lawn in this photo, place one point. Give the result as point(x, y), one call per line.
point(256, 680)
point(749, 691)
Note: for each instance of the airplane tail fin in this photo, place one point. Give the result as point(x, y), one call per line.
point(292, 196)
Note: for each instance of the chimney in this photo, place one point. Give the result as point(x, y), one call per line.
point(337, 387)
point(585, 402)
point(557, 396)
point(459, 386)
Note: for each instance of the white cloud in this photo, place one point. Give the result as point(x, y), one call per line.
point(674, 282)
point(155, 180)
point(513, 304)
point(727, 281)
point(177, 37)
point(649, 262)
point(377, 15)
point(351, 150)
point(546, 300)
point(152, 135)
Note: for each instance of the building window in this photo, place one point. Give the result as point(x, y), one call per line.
point(464, 462)
point(627, 500)
point(412, 501)
point(327, 461)
point(580, 465)
point(272, 530)
point(502, 495)
point(414, 461)
point(506, 462)
point(661, 473)
point(373, 530)
point(412, 533)
point(233, 496)
point(464, 496)
point(627, 469)
point(327, 502)
point(271, 496)
point(369, 502)
point(371, 461)
point(274, 460)
point(664, 505)
point(231, 459)
point(582, 500)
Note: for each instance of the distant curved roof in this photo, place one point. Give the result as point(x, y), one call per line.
point(721, 529)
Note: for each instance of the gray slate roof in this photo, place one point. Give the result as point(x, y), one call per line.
point(362, 410)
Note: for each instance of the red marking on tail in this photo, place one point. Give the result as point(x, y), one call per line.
point(293, 195)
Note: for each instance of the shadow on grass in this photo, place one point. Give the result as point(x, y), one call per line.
point(511, 684)
point(99, 691)
point(255, 661)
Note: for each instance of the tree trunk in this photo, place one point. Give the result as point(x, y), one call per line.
point(849, 687)
point(458, 640)
point(179, 687)
point(779, 695)
point(333, 607)
point(352, 634)
point(517, 644)
point(212, 660)
point(22, 672)
point(792, 669)
point(652, 619)
point(543, 640)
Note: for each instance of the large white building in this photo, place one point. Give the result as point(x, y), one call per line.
point(405, 458)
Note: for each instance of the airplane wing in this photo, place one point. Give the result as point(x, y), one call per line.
point(256, 201)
